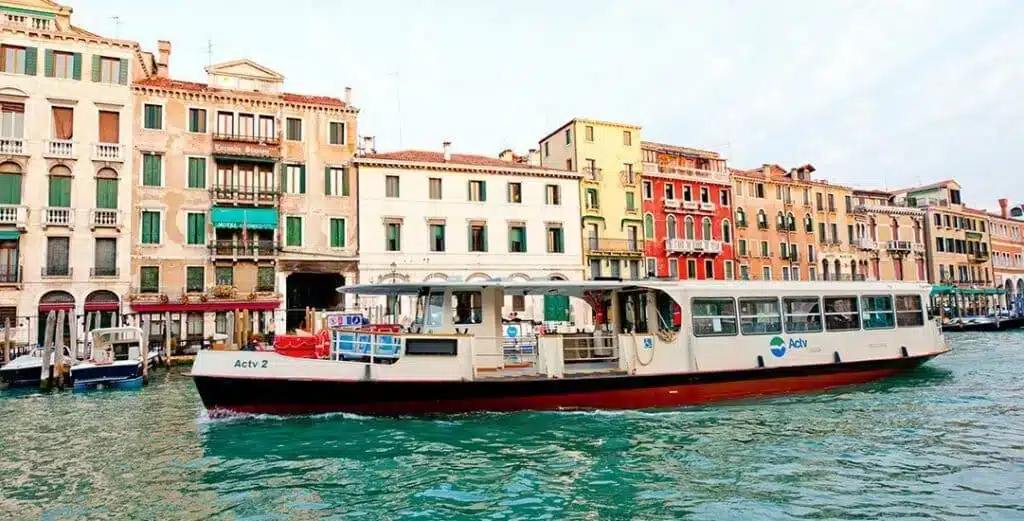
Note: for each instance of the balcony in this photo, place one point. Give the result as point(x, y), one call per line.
point(242, 145)
point(682, 172)
point(105, 218)
point(234, 250)
point(244, 195)
point(831, 208)
point(56, 271)
point(103, 272)
point(59, 148)
point(741, 225)
point(672, 204)
point(592, 174)
point(854, 277)
point(14, 215)
point(762, 225)
point(865, 243)
point(899, 246)
point(602, 245)
point(707, 207)
point(108, 152)
point(693, 246)
point(691, 205)
point(58, 216)
point(13, 147)
point(980, 256)
point(10, 274)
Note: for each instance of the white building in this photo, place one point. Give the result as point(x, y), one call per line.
point(436, 215)
point(65, 142)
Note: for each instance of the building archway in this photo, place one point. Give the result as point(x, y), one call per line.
point(102, 309)
point(478, 276)
point(56, 301)
point(435, 276)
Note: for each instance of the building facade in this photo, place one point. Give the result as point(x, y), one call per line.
point(243, 201)
point(687, 203)
point(890, 239)
point(65, 163)
point(609, 158)
point(441, 216)
point(1006, 231)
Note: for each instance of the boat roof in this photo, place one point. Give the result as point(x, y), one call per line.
point(579, 288)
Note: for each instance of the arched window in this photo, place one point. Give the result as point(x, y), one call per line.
point(762, 219)
point(741, 218)
point(706, 229)
point(839, 269)
point(808, 223)
point(688, 227)
point(670, 225)
point(780, 221)
point(649, 226)
point(726, 232)
point(10, 183)
point(895, 229)
point(790, 222)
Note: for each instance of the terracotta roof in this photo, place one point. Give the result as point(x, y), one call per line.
point(168, 83)
point(975, 211)
point(696, 152)
point(925, 187)
point(427, 156)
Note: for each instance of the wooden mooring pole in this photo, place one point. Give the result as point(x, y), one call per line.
point(58, 349)
point(46, 349)
point(7, 340)
point(145, 360)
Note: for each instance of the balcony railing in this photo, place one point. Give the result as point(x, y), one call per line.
point(10, 275)
point(108, 152)
point(694, 245)
point(672, 204)
point(13, 146)
point(59, 148)
point(13, 215)
point(865, 243)
point(741, 224)
point(246, 138)
point(691, 205)
point(603, 245)
point(105, 218)
point(980, 255)
point(58, 216)
point(686, 172)
point(236, 249)
point(842, 276)
point(899, 246)
point(57, 271)
point(104, 272)
point(592, 174)
point(762, 225)
point(244, 195)
point(707, 207)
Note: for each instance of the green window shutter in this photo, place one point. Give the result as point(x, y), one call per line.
point(60, 191)
point(469, 238)
point(196, 228)
point(151, 169)
point(327, 180)
point(48, 63)
point(344, 181)
point(76, 66)
point(30, 60)
point(96, 67)
point(559, 241)
point(123, 79)
point(337, 233)
point(106, 193)
point(302, 179)
point(333, 130)
point(282, 188)
point(485, 237)
point(149, 278)
point(150, 228)
point(197, 172)
point(483, 190)
point(10, 189)
point(293, 230)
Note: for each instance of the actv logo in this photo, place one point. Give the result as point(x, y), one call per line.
point(779, 346)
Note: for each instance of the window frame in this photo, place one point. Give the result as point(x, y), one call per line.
point(188, 172)
point(163, 114)
point(343, 134)
point(188, 235)
point(826, 313)
point(202, 286)
point(694, 317)
point(160, 226)
point(741, 316)
point(188, 120)
point(864, 312)
point(302, 231)
point(786, 314)
point(919, 311)
point(344, 232)
point(287, 131)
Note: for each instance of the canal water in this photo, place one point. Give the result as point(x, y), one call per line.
point(944, 442)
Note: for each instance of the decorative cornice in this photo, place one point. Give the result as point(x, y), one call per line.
point(226, 96)
point(456, 167)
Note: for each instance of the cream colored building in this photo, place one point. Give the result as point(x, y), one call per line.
point(65, 164)
point(243, 200)
point(890, 238)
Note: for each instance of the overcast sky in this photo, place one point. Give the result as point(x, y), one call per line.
point(873, 94)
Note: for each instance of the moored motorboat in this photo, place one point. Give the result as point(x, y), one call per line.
point(25, 371)
point(733, 341)
point(115, 362)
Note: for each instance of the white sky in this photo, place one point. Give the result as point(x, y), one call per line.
point(874, 94)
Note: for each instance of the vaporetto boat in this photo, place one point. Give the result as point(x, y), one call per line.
point(663, 344)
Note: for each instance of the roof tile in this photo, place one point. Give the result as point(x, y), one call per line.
point(168, 83)
point(427, 156)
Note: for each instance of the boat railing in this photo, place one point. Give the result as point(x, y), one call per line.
point(357, 345)
point(506, 354)
point(598, 347)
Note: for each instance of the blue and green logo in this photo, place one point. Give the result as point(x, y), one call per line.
point(779, 346)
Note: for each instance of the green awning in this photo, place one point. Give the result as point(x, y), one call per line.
point(246, 159)
point(9, 235)
point(941, 290)
point(251, 218)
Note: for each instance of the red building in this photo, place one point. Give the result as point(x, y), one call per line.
point(687, 213)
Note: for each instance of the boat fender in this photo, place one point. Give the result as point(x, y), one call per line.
point(760, 362)
point(903, 352)
point(366, 372)
point(836, 358)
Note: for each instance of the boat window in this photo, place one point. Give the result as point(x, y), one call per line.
point(908, 311)
point(877, 311)
point(431, 347)
point(435, 310)
point(633, 312)
point(669, 313)
point(841, 314)
point(468, 309)
point(714, 316)
point(760, 316)
point(803, 314)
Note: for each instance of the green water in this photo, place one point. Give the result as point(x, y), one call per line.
point(944, 442)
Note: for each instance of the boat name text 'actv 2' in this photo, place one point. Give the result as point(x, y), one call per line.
point(250, 364)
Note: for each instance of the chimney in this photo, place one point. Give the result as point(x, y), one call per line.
point(348, 96)
point(368, 145)
point(447, 146)
point(1003, 204)
point(163, 58)
point(533, 157)
point(766, 171)
point(507, 155)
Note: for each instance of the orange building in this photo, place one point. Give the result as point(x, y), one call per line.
point(1006, 231)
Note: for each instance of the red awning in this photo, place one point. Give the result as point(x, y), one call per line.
point(199, 307)
point(56, 306)
point(102, 306)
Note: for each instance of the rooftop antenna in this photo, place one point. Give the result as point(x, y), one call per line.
point(398, 101)
point(209, 52)
point(117, 25)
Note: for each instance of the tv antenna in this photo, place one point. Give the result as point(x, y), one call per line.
point(117, 25)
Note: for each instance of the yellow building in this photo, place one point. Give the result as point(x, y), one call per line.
point(888, 237)
point(609, 157)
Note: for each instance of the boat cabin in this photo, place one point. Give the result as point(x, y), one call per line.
point(115, 344)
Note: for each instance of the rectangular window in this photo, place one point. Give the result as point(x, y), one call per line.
point(713, 316)
point(265, 278)
point(709, 269)
point(670, 192)
point(477, 191)
point(630, 201)
point(63, 123)
point(295, 179)
point(652, 267)
point(648, 190)
point(673, 268)
point(785, 273)
point(336, 133)
point(515, 192)
point(105, 261)
point(109, 126)
point(760, 316)
point(592, 201)
point(150, 227)
point(909, 311)
point(293, 129)
point(195, 279)
point(153, 117)
point(627, 138)
point(517, 239)
point(842, 314)
point(221, 323)
point(553, 195)
point(394, 237)
point(729, 275)
point(293, 231)
point(12, 120)
point(63, 65)
point(766, 273)
point(477, 238)
point(110, 70)
point(435, 188)
point(691, 269)
point(742, 246)
point(12, 59)
point(225, 275)
point(197, 120)
point(759, 191)
point(588, 133)
point(437, 237)
point(337, 232)
point(226, 123)
point(152, 170)
point(803, 314)
point(106, 193)
point(568, 136)
point(518, 303)
point(197, 172)
point(765, 252)
point(878, 313)
point(391, 186)
point(196, 228)
point(60, 191)
point(556, 242)
point(149, 279)
point(336, 181)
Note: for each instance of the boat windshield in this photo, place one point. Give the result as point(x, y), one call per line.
point(435, 310)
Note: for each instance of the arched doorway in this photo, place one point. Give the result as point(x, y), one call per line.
point(1008, 295)
point(824, 269)
point(839, 269)
point(102, 309)
point(56, 301)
